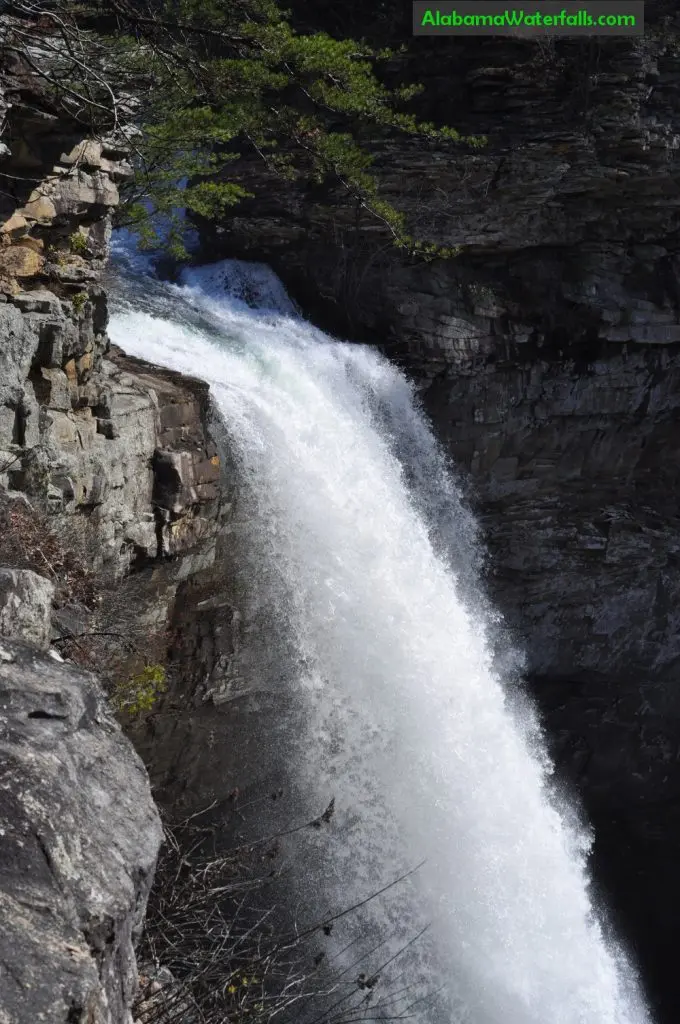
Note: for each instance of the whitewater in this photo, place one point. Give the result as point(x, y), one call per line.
point(364, 560)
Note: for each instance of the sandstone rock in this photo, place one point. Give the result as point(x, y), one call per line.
point(100, 437)
point(19, 345)
point(80, 838)
point(62, 431)
point(77, 192)
point(87, 153)
point(36, 244)
point(71, 372)
point(40, 208)
point(73, 270)
point(79, 829)
point(20, 261)
point(90, 154)
point(84, 365)
point(58, 391)
point(14, 226)
point(25, 606)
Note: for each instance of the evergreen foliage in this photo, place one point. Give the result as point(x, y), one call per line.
point(217, 78)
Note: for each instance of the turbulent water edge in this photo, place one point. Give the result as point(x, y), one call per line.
point(360, 555)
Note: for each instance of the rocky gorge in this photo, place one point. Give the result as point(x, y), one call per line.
point(546, 354)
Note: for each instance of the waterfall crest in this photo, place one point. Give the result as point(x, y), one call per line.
point(360, 545)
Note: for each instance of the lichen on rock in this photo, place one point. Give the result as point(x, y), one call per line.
point(80, 836)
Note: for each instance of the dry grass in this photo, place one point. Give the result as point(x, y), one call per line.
point(29, 541)
point(98, 619)
point(216, 948)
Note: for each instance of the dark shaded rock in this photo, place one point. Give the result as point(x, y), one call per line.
point(181, 479)
point(547, 352)
point(548, 357)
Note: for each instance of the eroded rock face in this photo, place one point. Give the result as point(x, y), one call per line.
point(92, 436)
point(548, 356)
point(115, 459)
point(547, 352)
point(26, 606)
point(80, 835)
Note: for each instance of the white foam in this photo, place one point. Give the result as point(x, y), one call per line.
point(358, 539)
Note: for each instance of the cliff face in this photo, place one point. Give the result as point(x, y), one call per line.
point(80, 839)
point(547, 354)
point(80, 427)
point(109, 499)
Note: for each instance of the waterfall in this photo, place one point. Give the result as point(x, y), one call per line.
point(361, 551)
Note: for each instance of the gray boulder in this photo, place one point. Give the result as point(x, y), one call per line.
point(25, 606)
point(80, 835)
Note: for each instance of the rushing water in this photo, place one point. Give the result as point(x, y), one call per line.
point(359, 547)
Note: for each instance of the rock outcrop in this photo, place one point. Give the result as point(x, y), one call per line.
point(26, 606)
point(546, 352)
point(80, 836)
point(107, 469)
point(80, 428)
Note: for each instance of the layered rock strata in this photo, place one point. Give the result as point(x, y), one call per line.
point(547, 355)
point(108, 477)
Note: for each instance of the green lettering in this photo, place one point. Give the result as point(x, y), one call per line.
point(446, 20)
point(428, 18)
point(514, 17)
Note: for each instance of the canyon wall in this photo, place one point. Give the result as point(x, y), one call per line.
point(547, 354)
point(109, 501)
